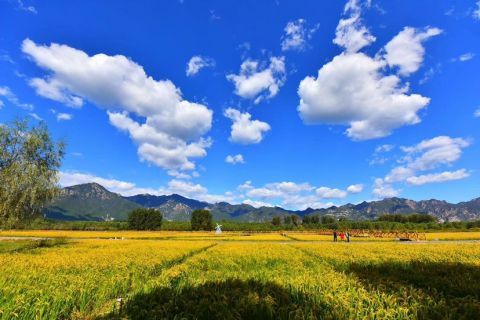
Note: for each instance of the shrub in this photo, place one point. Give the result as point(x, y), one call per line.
point(145, 219)
point(201, 220)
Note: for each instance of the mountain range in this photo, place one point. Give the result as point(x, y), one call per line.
point(92, 201)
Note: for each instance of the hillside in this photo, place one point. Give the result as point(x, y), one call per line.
point(89, 201)
point(443, 210)
point(93, 202)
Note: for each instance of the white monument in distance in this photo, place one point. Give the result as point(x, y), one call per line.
point(218, 229)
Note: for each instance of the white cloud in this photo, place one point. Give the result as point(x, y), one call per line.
point(186, 188)
point(355, 188)
point(197, 63)
point(21, 5)
point(379, 156)
point(297, 196)
point(438, 177)
point(406, 51)
point(247, 185)
point(428, 74)
point(254, 82)
point(296, 35)
point(214, 16)
point(399, 174)
point(330, 193)
point(351, 90)
point(256, 203)
point(283, 189)
point(52, 89)
point(429, 154)
point(302, 202)
point(264, 193)
point(197, 192)
point(12, 98)
point(425, 156)
point(351, 34)
point(64, 116)
point(35, 116)
point(6, 58)
point(179, 174)
point(173, 127)
point(244, 130)
point(357, 90)
point(238, 158)
point(384, 148)
point(159, 147)
point(476, 12)
point(477, 113)
point(382, 190)
point(464, 57)
point(290, 187)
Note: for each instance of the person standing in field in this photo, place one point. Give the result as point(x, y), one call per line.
point(342, 236)
point(334, 236)
point(347, 234)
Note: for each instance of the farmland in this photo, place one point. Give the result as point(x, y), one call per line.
point(85, 276)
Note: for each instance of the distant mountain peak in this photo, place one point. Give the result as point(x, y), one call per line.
point(91, 201)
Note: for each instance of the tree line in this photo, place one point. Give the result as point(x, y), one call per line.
point(151, 219)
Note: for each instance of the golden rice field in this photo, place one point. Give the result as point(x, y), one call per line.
point(88, 278)
point(163, 235)
point(204, 235)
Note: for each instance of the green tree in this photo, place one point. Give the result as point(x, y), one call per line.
point(295, 219)
point(201, 220)
point(287, 220)
point(29, 162)
point(327, 219)
point(145, 219)
point(276, 221)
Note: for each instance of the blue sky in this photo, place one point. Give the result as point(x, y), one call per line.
point(291, 103)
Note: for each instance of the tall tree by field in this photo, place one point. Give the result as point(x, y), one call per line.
point(29, 162)
point(145, 219)
point(287, 220)
point(276, 221)
point(201, 220)
point(295, 219)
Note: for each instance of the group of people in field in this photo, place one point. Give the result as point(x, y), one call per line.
point(343, 236)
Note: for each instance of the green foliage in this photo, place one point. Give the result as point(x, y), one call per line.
point(201, 220)
point(316, 219)
point(47, 224)
point(308, 219)
point(287, 219)
point(276, 221)
point(328, 219)
point(29, 160)
point(145, 219)
point(406, 218)
point(295, 219)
